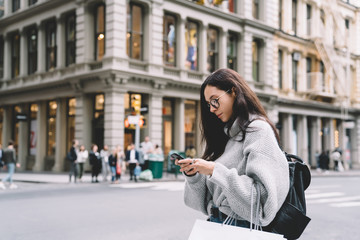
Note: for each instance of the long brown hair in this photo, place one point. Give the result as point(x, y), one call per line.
point(246, 102)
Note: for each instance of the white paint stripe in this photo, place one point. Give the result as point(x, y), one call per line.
point(322, 195)
point(312, 191)
point(330, 200)
point(346, 204)
point(324, 186)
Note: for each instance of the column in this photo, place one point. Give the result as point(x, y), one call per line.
point(7, 56)
point(23, 53)
point(114, 117)
point(179, 125)
point(343, 142)
point(223, 48)
point(247, 57)
point(202, 47)
point(355, 144)
point(268, 63)
point(7, 7)
point(60, 42)
point(315, 139)
point(247, 9)
point(41, 48)
point(302, 81)
point(7, 125)
point(156, 36)
point(155, 122)
point(23, 146)
point(61, 131)
point(23, 4)
point(303, 138)
point(41, 137)
point(180, 44)
point(287, 138)
point(81, 33)
point(287, 16)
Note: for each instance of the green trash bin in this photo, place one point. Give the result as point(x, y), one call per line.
point(156, 163)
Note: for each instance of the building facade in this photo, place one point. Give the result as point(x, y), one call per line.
point(87, 69)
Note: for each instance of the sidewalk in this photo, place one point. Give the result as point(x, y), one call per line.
point(50, 177)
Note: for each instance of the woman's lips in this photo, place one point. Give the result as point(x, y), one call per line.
point(219, 115)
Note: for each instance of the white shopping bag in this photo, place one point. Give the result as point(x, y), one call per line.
point(204, 230)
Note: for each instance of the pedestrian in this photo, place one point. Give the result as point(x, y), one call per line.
point(72, 157)
point(132, 159)
point(190, 152)
point(83, 155)
point(121, 165)
point(1, 162)
point(95, 162)
point(113, 158)
point(241, 149)
point(317, 160)
point(324, 161)
point(9, 159)
point(335, 158)
point(105, 168)
point(146, 148)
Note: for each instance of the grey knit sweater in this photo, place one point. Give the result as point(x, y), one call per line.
point(257, 158)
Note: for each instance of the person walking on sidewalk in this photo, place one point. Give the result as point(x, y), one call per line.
point(105, 168)
point(132, 158)
point(9, 158)
point(113, 158)
point(73, 156)
point(95, 161)
point(83, 155)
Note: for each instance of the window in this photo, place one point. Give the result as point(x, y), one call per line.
point(50, 45)
point(16, 125)
point(255, 9)
point(99, 32)
point(1, 57)
point(308, 72)
point(169, 40)
point(322, 70)
point(51, 128)
point(191, 43)
point(32, 50)
point(32, 2)
point(70, 39)
point(280, 14)
point(70, 134)
point(33, 128)
point(308, 19)
point(231, 51)
point(15, 55)
point(135, 31)
point(232, 5)
point(280, 60)
point(15, 5)
point(295, 59)
point(1, 123)
point(213, 49)
point(322, 16)
point(294, 16)
point(2, 9)
point(256, 60)
point(190, 124)
point(98, 121)
point(347, 24)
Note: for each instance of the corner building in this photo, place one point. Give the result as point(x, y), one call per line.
point(78, 69)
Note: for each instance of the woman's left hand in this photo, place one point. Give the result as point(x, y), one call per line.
point(192, 166)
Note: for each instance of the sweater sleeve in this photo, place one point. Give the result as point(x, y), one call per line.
point(266, 165)
point(195, 193)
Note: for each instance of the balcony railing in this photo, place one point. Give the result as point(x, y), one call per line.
point(319, 85)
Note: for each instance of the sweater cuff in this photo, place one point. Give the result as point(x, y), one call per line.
point(219, 175)
point(193, 179)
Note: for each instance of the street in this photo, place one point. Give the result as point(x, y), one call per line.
point(152, 210)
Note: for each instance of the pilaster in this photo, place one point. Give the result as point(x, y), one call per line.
point(41, 137)
point(60, 152)
point(23, 145)
point(179, 125)
point(155, 118)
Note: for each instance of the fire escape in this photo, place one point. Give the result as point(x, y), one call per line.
point(333, 84)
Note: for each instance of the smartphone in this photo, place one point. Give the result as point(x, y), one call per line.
point(175, 156)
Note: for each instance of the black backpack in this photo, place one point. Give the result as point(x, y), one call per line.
point(291, 219)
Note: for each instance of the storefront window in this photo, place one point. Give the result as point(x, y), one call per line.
point(169, 40)
point(1, 57)
point(51, 128)
point(167, 126)
point(15, 5)
point(15, 55)
point(212, 47)
point(33, 128)
point(32, 50)
point(98, 121)
point(70, 39)
point(134, 35)
point(231, 51)
point(99, 32)
point(70, 133)
point(15, 133)
point(191, 43)
point(190, 124)
point(50, 45)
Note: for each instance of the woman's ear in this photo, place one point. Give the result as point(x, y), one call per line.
point(233, 91)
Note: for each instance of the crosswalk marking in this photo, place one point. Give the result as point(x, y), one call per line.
point(319, 195)
point(346, 204)
point(331, 200)
point(169, 186)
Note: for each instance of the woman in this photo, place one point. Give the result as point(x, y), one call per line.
point(95, 161)
point(82, 158)
point(241, 149)
point(113, 163)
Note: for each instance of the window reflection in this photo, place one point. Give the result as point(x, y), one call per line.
point(190, 124)
point(100, 32)
point(15, 55)
point(70, 133)
point(32, 50)
point(70, 39)
point(212, 46)
point(134, 35)
point(231, 51)
point(169, 40)
point(50, 45)
point(191, 43)
point(51, 128)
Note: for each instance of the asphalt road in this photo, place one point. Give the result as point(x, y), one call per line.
point(152, 211)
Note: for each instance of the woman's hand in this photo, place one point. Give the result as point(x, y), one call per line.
point(192, 166)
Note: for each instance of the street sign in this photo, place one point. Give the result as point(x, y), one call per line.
point(21, 117)
point(144, 109)
point(134, 119)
